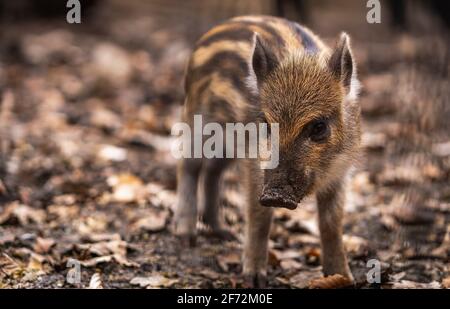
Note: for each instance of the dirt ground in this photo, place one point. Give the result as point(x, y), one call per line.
point(86, 171)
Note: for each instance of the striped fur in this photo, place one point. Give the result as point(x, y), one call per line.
point(262, 68)
point(224, 53)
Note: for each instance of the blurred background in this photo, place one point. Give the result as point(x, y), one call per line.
point(85, 165)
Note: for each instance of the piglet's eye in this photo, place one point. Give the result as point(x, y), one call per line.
point(320, 130)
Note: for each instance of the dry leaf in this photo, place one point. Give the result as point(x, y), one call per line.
point(446, 282)
point(106, 248)
point(112, 153)
point(406, 284)
point(155, 281)
point(373, 141)
point(36, 263)
point(101, 237)
point(290, 264)
point(111, 64)
point(313, 253)
point(330, 282)
point(10, 267)
point(95, 282)
point(232, 258)
point(400, 175)
point(126, 188)
point(122, 260)
point(302, 279)
point(23, 213)
point(6, 239)
point(441, 149)
point(95, 223)
point(272, 258)
point(2, 188)
point(286, 254)
point(443, 250)
point(355, 245)
point(210, 274)
point(64, 213)
point(303, 239)
point(43, 245)
point(153, 222)
point(160, 197)
point(107, 259)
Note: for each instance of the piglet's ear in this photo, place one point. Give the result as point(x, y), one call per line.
point(263, 60)
point(342, 65)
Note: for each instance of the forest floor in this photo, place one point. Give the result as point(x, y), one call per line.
point(86, 173)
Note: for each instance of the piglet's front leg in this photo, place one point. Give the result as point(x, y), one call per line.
point(330, 204)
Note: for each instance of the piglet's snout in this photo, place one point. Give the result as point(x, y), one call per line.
point(278, 197)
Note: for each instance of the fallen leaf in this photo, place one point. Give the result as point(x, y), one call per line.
point(106, 248)
point(95, 282)
point(303, 239)
point(446, 282)
point(122, 260)
point(2, 188)
point(107, 259)
point(441, 149)
point(112, 153)
point(432, 171)
point(289, 264)
point(400, 175)
point(210, 274)
point(313, 253)
point(43, 245)
point(63, 212)
point(286, 254)
point(23, 213)
point(101, 237)
point(95, 223)
point(407, 212)
point(397, 277)
point(330, 282)
point(36, 263)
point(272, 259)
point(355, 245)
point(444, 249)
point(10, 267)
point(126, 188)
point(7, 239)
point(301, 225)
point(155, 281)
point(111, 64)
point(406, 284)
point(154, 222)
point(303, 278)
point(373, 141)
point(103, 118)
point(160, 197)
point(232, 258)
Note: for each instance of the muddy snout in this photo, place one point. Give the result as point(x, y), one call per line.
point(278, 197)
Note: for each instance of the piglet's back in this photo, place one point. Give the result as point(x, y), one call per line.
point(218, 81)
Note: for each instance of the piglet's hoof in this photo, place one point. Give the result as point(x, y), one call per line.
point(187, 240)
point(220, 234)
point(255, 281)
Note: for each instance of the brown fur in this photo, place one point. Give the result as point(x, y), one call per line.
point(260, 68)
